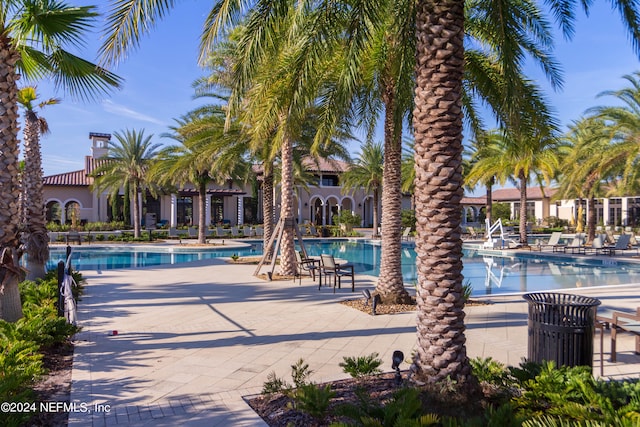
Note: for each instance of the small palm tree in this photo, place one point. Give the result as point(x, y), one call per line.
point(126, 166)
point(34, 234)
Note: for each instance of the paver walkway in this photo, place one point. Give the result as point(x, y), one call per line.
point(193, 339)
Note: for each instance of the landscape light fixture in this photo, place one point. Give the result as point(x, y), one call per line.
point(396, 360)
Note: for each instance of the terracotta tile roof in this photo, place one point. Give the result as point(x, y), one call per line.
point(73, 179)
point(510, 194)
point(322, 165)
point(91, 164)
point(325, 165)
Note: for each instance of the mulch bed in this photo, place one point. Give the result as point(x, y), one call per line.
point(55, 386)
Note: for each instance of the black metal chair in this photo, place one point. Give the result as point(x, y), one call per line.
point(306, 266)
point(329, 268)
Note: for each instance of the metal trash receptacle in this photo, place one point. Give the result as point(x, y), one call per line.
point(561, 328)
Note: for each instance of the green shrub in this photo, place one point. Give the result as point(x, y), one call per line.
point(274, 384)
point(312, 399)
point(300, 373)
point(408, 218)
point(362, 365)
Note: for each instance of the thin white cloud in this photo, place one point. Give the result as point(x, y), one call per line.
point(54, 165)
point(121, 110)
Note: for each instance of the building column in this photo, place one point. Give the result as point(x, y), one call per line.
point(173, 221)
point(207, 210)
point(240, 219)
point(624, 220)
point(605, 211)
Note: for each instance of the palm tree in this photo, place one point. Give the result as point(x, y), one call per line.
point(366, 172)
point(127, 164)
point(437, 122)
point(33, 44)
point(622, 125)
point(35, 237)
point(206, 153)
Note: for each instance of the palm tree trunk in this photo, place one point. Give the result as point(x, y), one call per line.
point(202, 218)
point(437, 120)
point(10, 306)
point(390, 285)
point(35, 234)
point(489, 205)
point(136, 211)
point(267, 207)
point(287, 245)
point(523, 210)
point(591, 219)
point(376, 203)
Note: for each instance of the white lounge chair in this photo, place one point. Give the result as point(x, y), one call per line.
point(235, 232)
point(622, 245)
point(553, 242)
point(259, 232)
point(246, 230)
point(221, 232)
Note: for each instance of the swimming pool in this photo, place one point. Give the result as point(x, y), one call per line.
point(487, 273)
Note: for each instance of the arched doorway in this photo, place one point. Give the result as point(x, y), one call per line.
point(54, 212)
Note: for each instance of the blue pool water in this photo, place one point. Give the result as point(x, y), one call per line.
point(488, 274)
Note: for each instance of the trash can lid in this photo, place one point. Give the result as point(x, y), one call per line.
point(557, 298)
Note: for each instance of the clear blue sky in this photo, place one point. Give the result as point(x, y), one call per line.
point(158, 78)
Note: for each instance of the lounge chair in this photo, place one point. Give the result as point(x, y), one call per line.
point(235, 232)
point(246, 230)
point(622, 245)
point(193, 232)
point(329, 267)
point(306, 266)
point(259, 232)
point(173, 232)
point(312, 231)
point(470, 232)
point(406, 233)
point(597, 246)
point(221, 232)
point(576, 246)
point(553, 242)
point(73, 236)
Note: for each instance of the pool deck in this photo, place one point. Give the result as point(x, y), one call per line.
point(185, 344)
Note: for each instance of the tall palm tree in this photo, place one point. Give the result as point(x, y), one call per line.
point(206, 153)
point(366, 172)
point(437, 122)
point(34, 39)
point(34, 236)
point(127, 164)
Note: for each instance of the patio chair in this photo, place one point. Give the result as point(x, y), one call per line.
point(597, 246)
point(73, 236)
point(306, 266)
point(576, 246)
point(193, 232)
point(246, 230)
point(406, 233)
point(621, 321)
point(329, 267)
point(235, 232)
point(259, 232)
point(553, 242)
point(622, 245)
point(221, 232)
point(173, 232)
point(312, 231)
